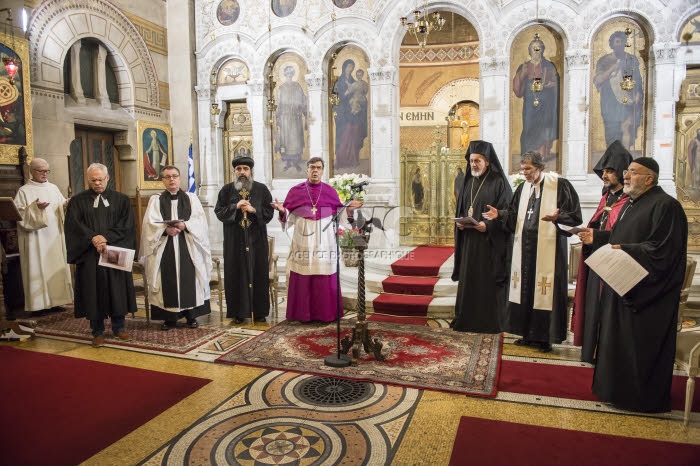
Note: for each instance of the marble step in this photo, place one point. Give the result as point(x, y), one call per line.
point(442, 307)
point(373, 282)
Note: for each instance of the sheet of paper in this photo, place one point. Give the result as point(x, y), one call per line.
point(616, 268)
point(117, 258)
point(572, 230)
point(465, 220)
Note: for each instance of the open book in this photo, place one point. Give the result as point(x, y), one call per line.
point(115, 257)
point(468, 221)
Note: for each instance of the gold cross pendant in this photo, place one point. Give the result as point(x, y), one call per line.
point(313, 210)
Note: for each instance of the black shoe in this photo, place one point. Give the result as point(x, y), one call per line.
point(192, 324)
point(168, 325)
point(58, 309)
point(237, 321)
point(545, 347)
point(260, 320)
point(522, 342)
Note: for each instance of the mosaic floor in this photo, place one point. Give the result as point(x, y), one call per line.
point(252, 416)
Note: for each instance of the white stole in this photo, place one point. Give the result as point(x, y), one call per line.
point(546, 246)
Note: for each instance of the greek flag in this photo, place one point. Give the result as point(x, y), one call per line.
point(191, 183)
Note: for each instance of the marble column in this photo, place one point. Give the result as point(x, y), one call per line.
point(573, 139)
point(495, 86)
point(100, 74)
point(76, 88)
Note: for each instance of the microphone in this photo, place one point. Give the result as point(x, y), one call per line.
point(359, 185)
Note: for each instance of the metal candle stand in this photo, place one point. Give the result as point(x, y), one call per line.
point(361, 337)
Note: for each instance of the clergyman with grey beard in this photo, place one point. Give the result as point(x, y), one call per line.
point(244, 207)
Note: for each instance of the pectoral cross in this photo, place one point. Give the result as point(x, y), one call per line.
point(313, 210)
point(529, 213)
point(515, 280)
point(544, 284)
point(244, 193)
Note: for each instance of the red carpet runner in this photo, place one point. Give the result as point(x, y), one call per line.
point(570, 382)
point(60, 410)
point(500, 443)
point(409, 292)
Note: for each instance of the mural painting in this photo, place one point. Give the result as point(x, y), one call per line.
point(232, 72)
point(155, 146)
point(283, 8)
point(536, 64)
point(350, 125)
point(227, 12)
point(618, 82)
point(15, 105)
point(291, 119)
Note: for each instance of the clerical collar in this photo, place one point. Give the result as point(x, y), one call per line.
point(173, 196)
point(617, 193)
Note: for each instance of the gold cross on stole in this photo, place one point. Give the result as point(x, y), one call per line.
point(244, 193)
point(544, 285)
point(515, 280)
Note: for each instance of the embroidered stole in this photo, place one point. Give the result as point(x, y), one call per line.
point(546, 246)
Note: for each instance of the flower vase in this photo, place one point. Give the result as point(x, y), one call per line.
point(350, 257)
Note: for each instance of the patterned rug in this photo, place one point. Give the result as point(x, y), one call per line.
point(418, 357)
point(144, 335)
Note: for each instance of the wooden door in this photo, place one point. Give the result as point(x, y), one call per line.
point(90, 146)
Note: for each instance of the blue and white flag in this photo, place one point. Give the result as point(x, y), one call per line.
point(191, 183)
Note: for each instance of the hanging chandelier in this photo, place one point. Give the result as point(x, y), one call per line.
point(333, 97)
point(271, 104)
point(423, 24)
point(537, 85)
point(11, 64)
point(628, 82)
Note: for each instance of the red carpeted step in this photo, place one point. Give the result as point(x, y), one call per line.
point(409, 285)
point(571, 382)
point(502, 443)
point(424, 261)
point(422, 321)
point(402, 305)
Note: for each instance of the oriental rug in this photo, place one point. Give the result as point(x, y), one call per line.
point(570, 382)
point(144, 335)
point(60, 410)
point(417, 357)
point(500, 443)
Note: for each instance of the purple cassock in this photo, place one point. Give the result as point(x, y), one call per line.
point(313, 282)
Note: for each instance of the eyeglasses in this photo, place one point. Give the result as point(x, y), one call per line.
point(633, 173)
point(97, 180)
point(43, 172)
point(170, 177)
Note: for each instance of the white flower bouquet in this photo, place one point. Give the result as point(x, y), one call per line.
point(515, 180)
point(342, 184)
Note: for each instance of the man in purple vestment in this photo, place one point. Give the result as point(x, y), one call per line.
point(313, 282)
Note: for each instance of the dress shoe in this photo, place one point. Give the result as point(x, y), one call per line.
point(237, 321)
point(522, 342)
point(261, 320)
point(168, 325)
point(98, 341)
point(192, 324)
point(123, 336)
point(57, 309)
point(545, 347)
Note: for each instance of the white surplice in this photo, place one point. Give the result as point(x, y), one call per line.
point(46, 275)
point(153, 242)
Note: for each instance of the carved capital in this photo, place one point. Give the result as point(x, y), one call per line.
point(665, 52)
point(382, 75)
point(577, 59)
point(315, 81)
point(494, 65)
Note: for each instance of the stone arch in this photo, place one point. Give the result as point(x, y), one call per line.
point(55, 25)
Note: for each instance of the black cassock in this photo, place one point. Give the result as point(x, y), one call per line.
point(541, 325)
point(637, 342)
point(236, 265)
point(481, 262)
point(100, 291)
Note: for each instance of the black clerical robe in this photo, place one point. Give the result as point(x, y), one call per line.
point(240, 262)
point(539, 325)
point(100, 291)
point(481, 262)
point(637, 342)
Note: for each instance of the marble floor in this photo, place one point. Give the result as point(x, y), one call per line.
point(232, 419)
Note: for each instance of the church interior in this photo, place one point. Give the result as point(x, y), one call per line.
point(387, 91)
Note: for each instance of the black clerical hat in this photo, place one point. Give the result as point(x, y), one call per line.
point(648, 162)
point(616, 157)
point(243, 161)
